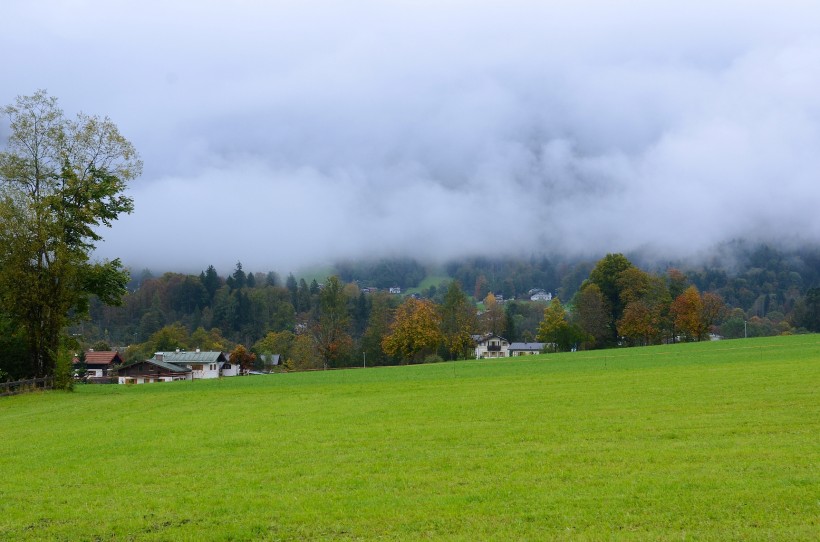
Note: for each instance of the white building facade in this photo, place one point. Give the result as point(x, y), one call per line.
point(491, 346)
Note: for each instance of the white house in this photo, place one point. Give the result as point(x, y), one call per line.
point(203, 365)
point(540, 295)
point(526, 349)
point(491, 346)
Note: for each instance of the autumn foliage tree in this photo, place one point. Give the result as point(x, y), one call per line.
point(713, 309)
point(694, 314)
point(639, 323)
point(646, 299)
point(556, 329)
point(243, 357)
point(415, 331)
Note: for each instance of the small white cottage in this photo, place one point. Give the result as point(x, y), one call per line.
point(526, 349)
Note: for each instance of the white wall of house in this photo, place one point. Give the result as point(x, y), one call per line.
point(492, 347)
point(203, 370)
point(150, 379)
point(526, 349)
point(229, 369)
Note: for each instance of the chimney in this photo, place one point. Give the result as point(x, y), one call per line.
point(197, 350)
point(177, 350)
point(159, 356)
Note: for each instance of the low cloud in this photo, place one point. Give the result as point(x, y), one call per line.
point(290, 134)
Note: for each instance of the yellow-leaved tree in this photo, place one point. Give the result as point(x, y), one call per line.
point(415, 331)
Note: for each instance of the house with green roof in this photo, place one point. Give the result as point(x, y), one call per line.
point(203, 365)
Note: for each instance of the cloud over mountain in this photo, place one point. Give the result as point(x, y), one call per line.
point(288, 133)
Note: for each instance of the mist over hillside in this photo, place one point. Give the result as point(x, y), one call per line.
point(285, 139)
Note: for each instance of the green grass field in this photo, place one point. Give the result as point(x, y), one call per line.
point(712, 441)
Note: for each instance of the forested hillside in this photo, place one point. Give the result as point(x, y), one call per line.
point(346, 318)
point(771, 290)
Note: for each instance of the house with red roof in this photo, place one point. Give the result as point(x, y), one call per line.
point(98, 363)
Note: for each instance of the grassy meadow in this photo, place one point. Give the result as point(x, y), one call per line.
point(710, 441)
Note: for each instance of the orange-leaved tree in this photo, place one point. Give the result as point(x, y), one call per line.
point(694, 314)
point(415, 331)
point(242, 357)
point(686, 312)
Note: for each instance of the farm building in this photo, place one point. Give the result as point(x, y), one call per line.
point(202, 364)
point(167, 366)
point(526, 349)
point(152, 370)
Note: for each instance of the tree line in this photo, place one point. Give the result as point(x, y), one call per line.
point(337, 324)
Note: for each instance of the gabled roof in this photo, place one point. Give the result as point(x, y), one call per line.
point(170, 367)
point(486, 337)
point(191, 357)
point(105, 357)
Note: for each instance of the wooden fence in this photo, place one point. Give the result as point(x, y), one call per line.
point(22, 386)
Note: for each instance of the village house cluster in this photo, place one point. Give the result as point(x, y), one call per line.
point(103, 366)
point(162, 367)
point(199, 365)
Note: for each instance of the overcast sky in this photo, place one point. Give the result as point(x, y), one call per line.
point(288, 133)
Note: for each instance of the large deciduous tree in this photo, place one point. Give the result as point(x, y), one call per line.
point(242, 357)
point(605, 275)
point(695, 314)
point(61, 179)
point(556, 329)
point(591, 314)
point(646, 302)
point(415, 332)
